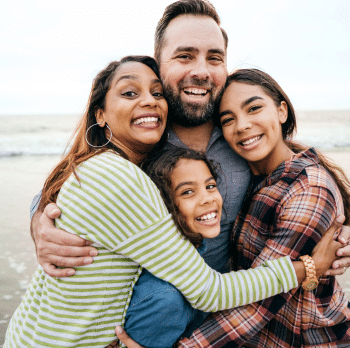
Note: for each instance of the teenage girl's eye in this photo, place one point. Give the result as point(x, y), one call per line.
point(226, 121)
point(254, 108)
point(211, 186)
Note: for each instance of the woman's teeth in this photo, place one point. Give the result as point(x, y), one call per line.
point(146, 120)
point(207, 217)
point(250, 141)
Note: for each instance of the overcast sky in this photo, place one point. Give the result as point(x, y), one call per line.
point(50, 50)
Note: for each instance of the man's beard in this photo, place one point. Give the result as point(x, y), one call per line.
point(189, 114)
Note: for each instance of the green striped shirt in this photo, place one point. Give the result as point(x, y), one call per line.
point(116, 205)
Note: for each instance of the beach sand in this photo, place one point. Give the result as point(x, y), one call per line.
point(20, 179)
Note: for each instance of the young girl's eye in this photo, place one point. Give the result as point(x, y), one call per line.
point(211, 186)
point(187, 192)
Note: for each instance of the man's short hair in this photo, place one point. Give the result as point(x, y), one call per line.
point(181, 7)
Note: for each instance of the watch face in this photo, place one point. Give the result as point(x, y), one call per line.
point(312, 285)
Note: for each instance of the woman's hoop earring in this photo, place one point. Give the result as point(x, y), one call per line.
point(98, 145)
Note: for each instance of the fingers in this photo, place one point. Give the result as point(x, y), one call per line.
point(52, 271)
point(344, 236)
point(336, 225)
point(52, 211)
point(124, 338)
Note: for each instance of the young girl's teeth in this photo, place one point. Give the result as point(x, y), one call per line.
point(250, 141)
point(207, 217)
point(146, 120)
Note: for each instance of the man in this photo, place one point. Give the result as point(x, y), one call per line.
point(191, 51)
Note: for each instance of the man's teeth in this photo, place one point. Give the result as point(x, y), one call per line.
point(146, 120)
point(196, 91)
point(207, 217)
point(250, 141)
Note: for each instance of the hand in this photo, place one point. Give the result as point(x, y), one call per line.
point(124, 337)
point(56, 247)
point(339, 267)
point(325, 250)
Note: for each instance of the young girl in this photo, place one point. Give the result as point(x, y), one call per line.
point(158, 314)
point(294, 196)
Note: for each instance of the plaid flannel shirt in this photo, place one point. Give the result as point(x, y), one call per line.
point(286, 214)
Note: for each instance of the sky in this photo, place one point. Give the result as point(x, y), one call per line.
point(50, 50)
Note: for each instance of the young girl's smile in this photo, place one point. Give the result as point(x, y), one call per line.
point(197, 197)
point(252, 126)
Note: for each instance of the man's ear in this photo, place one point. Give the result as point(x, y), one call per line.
point(283, 112)
point(99, 114)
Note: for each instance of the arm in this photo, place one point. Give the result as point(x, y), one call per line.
point(301, 224)
point(57, 248)
point(121, 209)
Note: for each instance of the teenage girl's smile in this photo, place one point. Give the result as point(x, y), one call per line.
point(197, 197)
point(252, 126)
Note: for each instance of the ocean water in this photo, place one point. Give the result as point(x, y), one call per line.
point(29, 135)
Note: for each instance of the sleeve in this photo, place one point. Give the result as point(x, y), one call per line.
point(35, 204)
point(121, 209)
point(302, 221)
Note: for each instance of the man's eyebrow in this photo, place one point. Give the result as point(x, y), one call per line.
point(249, 100)
point(217, 50)
point(186, 49)
point(196, 50)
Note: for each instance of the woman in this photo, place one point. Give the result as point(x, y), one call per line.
point(107, 199)
point(294, 196)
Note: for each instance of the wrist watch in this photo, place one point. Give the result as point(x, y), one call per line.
point(311, 282)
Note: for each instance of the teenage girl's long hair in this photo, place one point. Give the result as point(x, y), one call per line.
point(257, 77)
point(80, 149)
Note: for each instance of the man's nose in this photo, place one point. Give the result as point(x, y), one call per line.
point(200, 70)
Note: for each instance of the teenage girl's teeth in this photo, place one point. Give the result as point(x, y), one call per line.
point(196, 91)
point(250, 141)
point(146, 120)
point(207, 217)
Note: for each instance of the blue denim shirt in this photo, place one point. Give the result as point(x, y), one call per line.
point(158, 314)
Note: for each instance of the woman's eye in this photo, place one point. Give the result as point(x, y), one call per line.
point(129, 94)
point(211, 186)
point(158, 95)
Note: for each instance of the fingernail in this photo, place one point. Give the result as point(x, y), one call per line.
point(93, 253)
point(340, 253)
point(340, 219)
point(70, 273)
point(342, 240)
point(88, 261)
point(326, 273)
point(118, 329)
point(56, 211)
point(336, 266)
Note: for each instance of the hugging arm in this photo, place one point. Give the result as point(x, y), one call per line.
point(55, 247)
point(300, 227)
